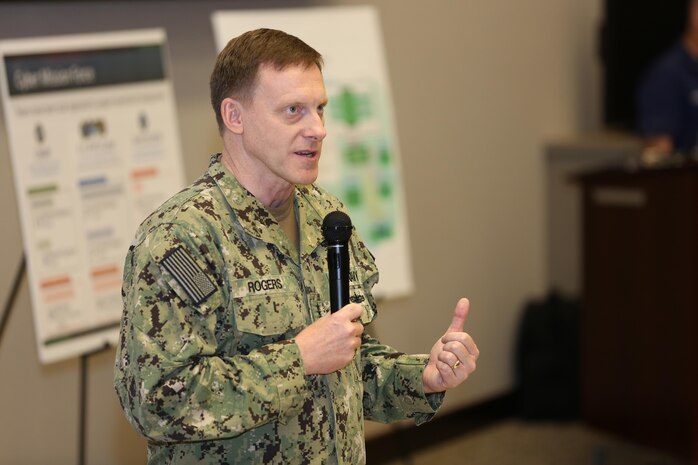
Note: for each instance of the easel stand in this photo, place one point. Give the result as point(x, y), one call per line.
point(9, 304)
point(82, 401)
point(82, 440)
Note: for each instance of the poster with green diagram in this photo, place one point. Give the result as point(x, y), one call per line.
point(366, 181)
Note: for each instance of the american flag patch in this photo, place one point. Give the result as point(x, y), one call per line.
point(195, 283)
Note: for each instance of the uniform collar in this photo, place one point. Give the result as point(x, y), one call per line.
point(309, 219)
point(258, 222)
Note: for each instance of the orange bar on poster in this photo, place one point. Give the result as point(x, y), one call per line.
point(105, 270)
point(144, 172)
point(57, 281)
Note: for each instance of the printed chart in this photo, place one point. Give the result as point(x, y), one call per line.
point(93, 139)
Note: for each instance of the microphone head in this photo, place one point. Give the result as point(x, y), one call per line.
point(336, 227)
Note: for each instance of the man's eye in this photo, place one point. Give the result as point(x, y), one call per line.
point(293, 109)
point(321, 109)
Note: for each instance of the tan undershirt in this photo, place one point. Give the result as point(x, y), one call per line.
point(285, 215)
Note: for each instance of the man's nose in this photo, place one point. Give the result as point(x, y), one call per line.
point(316, 127)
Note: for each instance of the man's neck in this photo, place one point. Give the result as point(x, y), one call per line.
point(285, 215)
point(271, 196)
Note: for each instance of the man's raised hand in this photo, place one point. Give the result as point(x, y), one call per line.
point(453, 357)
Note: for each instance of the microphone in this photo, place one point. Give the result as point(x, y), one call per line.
point(336, 229)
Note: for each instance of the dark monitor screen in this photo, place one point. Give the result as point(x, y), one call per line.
point(633, 35)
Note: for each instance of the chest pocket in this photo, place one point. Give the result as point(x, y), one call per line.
point(267, 318)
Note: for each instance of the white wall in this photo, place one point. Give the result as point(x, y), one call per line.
point(479, 87)
point(479, 91)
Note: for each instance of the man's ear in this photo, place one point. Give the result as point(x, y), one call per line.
point(231, 113)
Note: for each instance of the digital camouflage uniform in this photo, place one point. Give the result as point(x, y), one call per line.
point(207, 368)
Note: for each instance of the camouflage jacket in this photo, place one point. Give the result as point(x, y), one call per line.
point(207, 368)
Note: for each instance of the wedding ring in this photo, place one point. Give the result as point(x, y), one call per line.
point(456, 365)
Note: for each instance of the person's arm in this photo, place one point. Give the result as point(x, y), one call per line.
point(393, 386)
point(398, 386)
point(659, 111)
point(171, 377)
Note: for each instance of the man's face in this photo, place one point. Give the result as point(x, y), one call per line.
point(283, 125)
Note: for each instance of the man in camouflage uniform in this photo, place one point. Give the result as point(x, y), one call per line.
point(228, 352)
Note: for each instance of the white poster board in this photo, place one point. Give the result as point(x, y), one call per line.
point(360, 159)
point(94, 145)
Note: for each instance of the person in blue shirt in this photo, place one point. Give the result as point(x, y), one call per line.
point(667, 100)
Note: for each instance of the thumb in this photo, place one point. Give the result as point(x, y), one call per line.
point(459, 315)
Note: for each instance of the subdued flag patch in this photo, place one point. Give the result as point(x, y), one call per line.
point(185, 270)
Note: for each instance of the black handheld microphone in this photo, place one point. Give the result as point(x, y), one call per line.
point(336, 229)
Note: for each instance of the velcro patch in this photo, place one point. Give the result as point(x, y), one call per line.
point(261, 285)
point(184, 269)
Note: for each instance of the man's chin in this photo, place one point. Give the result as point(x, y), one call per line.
point(307, 178)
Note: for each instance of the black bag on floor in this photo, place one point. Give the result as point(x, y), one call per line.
point(547, 359)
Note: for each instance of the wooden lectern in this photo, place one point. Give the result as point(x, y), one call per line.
point(639, 325)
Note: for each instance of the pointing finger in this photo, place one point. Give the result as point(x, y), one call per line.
point(459, 315)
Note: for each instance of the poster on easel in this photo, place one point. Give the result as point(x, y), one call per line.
point(93, 138)
point(360, 161)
